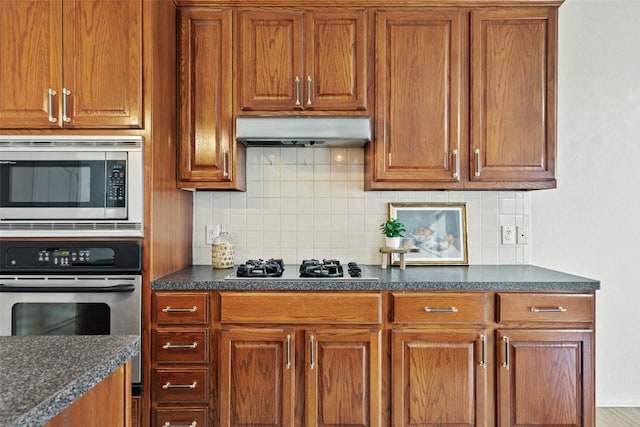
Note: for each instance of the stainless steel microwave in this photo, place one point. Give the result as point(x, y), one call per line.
point(71, 186)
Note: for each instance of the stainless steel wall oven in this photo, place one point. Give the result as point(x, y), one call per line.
point(71, 288)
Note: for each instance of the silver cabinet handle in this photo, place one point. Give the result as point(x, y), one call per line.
point(225, 163)
point(312, 358)
point(483, 351)
point(169, 346)
point(169, 309)
point(65, 101)
point(52, 94)
point(477, 151)
point(505, 364)
point(558, 309)
point(288, 351)
point(440, 310)
point(168, 385)
point(308, 90)
point(168, 424)
point(297, 91)
point(456, 164)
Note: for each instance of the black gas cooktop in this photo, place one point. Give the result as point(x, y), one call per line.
point(308, 269)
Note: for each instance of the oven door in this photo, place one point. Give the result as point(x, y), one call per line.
point(71, 305)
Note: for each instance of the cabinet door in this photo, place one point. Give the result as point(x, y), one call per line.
point(336, 60)
point(545, 378)
point(256, 377)
point(438, 377)
point(419, 82)
point(102, 64)
point(513, 94)
point(207, 153)
point(31, 65)
point(343, 377)
point(270, 60)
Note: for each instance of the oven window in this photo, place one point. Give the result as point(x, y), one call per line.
point(55, 184)
point(60, 319)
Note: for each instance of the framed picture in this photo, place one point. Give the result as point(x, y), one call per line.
point(437, 230)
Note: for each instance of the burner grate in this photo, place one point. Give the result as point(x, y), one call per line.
point(261, 268)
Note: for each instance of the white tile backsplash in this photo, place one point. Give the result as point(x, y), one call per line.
point(310, 203)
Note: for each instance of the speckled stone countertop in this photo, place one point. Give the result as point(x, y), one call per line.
point(42, 375)
point(441, 278)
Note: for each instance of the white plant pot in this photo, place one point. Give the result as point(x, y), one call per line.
point(392, 242)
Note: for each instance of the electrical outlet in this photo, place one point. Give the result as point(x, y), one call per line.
point(522, 237)
point(211, 233)
point(508, 234)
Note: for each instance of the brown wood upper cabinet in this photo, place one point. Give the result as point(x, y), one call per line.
point(208, 156)
point(513, 95)
point(472, 103)
point(295, 60)
point(71, 64)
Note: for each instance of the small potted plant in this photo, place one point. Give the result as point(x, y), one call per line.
point(393, 230)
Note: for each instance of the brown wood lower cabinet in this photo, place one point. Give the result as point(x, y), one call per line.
point(106, 404)
point(259, 370)
point(439, 377)
point(418, 358)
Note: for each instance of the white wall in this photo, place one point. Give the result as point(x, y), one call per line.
point(590, 225)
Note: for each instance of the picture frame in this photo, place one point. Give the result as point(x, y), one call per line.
point(437, 230)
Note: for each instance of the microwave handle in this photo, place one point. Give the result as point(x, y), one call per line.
point(127, 287)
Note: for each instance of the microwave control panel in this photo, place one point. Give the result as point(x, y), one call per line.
point(116, 183)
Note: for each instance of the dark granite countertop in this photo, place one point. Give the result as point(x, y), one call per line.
point(42, 375)
point(440, 278)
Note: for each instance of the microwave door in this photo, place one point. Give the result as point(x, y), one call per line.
point(53, 185)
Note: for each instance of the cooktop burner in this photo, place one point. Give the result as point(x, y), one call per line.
point(261, 268)
point(308, 269)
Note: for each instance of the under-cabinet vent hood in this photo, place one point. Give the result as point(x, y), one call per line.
point(303, 131)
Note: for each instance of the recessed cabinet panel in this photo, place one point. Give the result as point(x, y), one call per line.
point(31, 46)
point(513, 94)
point(256, 377)
point(343, 378)
point(439, 377)
point(271, 59)
point(208, 156)
point(418, 80)
point(102, 63)
point(545, 378)
point(336, 60)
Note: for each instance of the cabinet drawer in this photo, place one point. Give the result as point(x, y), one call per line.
point(439, 308)
point(300, 307)
point(518, 307)
point(180, 345)
point(171, 308)
point(181, 385)
point(187, 417)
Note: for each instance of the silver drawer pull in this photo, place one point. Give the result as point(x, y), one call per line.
point(169, 346)
point(558, 309)
point(168, 424)
point(440, 310)
point(169, 309)
point(168, 385)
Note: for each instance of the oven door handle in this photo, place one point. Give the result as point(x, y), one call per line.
point(126, 287)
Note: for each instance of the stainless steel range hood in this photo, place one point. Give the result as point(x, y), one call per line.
point(303, 131)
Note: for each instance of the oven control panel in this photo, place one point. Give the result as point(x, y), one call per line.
point(69, 256)
point(28, 257)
